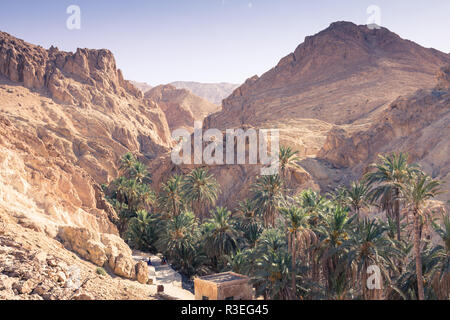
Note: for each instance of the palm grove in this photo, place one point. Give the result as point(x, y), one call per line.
point(296, 246)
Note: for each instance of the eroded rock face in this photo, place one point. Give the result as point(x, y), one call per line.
point(65, 120)
point(100, 249)
point(418, 124)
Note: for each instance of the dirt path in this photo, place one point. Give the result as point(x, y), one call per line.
point(166, 276)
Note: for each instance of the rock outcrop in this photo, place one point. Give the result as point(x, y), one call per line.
point(35, 267)
point(418, 124)
point(65, 120)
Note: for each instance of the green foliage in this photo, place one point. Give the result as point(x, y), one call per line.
point(201, 190)
point(267, 192)
point(302, 246)
point(100, 271)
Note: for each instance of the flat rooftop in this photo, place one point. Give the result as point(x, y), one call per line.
point(224, 277)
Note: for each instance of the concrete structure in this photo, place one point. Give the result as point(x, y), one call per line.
point(223, 286)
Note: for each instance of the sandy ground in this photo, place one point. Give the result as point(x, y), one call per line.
point(166, 276)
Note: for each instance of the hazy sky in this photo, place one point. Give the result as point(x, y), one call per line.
point(210, 40)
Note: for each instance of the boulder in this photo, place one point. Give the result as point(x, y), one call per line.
point(142, 272)
point(124, 266)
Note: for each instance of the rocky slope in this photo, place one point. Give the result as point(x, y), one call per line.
point(418, 124)
point(35, 267)
point(213, 92)
point(180, 106)
point(345, 74)
point(339, 81)
point(65, 119)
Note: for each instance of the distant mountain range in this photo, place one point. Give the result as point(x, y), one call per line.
point(213, 92)
point(181, 106)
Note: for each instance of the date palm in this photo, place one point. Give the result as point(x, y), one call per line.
point(272, 275)
point(287, 157)
point(357, 196)
point(416, 192)
point(333, 232)
point(201, 190)
point(139, 173)
point(180, 234)
point(171, 196)
point(267, 191)
point(392, 171)
point(369, 245)
point(142, 231)
point(313, 203)
point(145, 197)
point(440, 262)
point(127, 162)
point(300, 237)
point(221, 237)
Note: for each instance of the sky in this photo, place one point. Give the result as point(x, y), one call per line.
point(210, 40)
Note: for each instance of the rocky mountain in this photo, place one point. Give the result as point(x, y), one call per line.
point(65, 119)
point(143, 86)
point(213, 92)
point(330, 98)
point(418, 124)
point(180, 106)
point(345, 74)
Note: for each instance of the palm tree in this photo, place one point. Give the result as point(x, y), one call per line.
point(313, 203)
point(267, 191)
point(180, 234)
point(141, 231)
point(392, 171)
point(221, 238)
point(440, 262)
point(333, 232)
point(139, 173)
point(299, 236)
point(357, 196)
point(272, 275)
point(127, 162)
point(287, 157)
point(201, 189)
point(248, 223)
point(416, 192)
point(368, 246)
point(171, 197)
point(145, 197)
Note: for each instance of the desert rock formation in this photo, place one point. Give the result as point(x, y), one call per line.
point(342, 80)
point(65, 120)
point(418, 124)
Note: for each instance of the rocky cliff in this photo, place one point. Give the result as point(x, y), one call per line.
point(418, 124)
point(65, 119)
